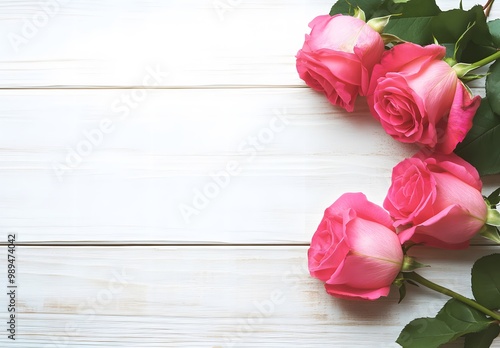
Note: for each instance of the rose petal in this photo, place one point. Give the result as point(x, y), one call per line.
point(347, 292)
point(339, 33)
point(451, 190)
point(364, 209)
point(454, 165)
point(436, 88)
point(411, 207)
point(459, 120)
point(451, 228)
point(399, 57)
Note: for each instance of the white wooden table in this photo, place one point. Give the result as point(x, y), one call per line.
point(163, 169)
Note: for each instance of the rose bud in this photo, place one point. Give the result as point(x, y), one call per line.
point(355, 249)
point(418, 98)
point(436, 200)
point(338, 56)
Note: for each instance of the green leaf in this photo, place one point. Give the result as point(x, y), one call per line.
point(425, 333)
point(486, 281)
point(462, 318)
point(416, 8)
point(408, 8)
point(347, 7)
point(481, 32)
point(475, 52)
point(413, 29)
point(481, 146)
point(455, 319)
point(450, 26)
point(494, 197)
point(482, 339)
point(494, 27)
point(412, 19)
point(493, 87)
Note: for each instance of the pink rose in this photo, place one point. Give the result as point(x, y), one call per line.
point(355, 249)
point(338, 56)
point(418, 98)
point(438, 199)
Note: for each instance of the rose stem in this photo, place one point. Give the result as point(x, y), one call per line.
point(485, 61)
point(445, 291)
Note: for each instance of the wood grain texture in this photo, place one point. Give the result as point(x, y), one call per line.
point(184, 166)
point(173, 145)
point(84, 43)
point(208, 297)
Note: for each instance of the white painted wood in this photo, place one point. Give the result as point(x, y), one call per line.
point(207, 297)
point(64, 179)
point(200, 42)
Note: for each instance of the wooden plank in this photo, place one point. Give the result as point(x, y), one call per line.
point(175, 171)
point(206, 297)
point(55, 43)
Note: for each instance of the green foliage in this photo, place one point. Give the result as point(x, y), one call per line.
point(475, 52)
point(462, 318)
point(458, 319)
point(414, 29)
point(493, 87)
point(411, 20)
point(494, 198)
point(425, 333)
point(455, 319)
point(482, 339)
point(481, 146)
point(494, 27)
point(413, 8)
point(486, 281)
point(347, 7)
point(450, 26)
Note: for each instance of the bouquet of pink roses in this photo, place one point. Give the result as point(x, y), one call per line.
point(411, 61)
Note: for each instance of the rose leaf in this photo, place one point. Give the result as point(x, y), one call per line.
point(455, 319)
point(481, 146)
point(413, 29)
point(493, 87)
point(413, 8)
point(495, 31)
point(482, 339)
point(462, 318)
point(347, 7)
point(425, 332)
point(412, 19)
point(486, 281)
point(494, 197)
point(467, 26)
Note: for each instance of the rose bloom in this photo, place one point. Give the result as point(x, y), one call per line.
point(355, 249)
point(338, 56)
point(437, 199)
point(418, 98)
